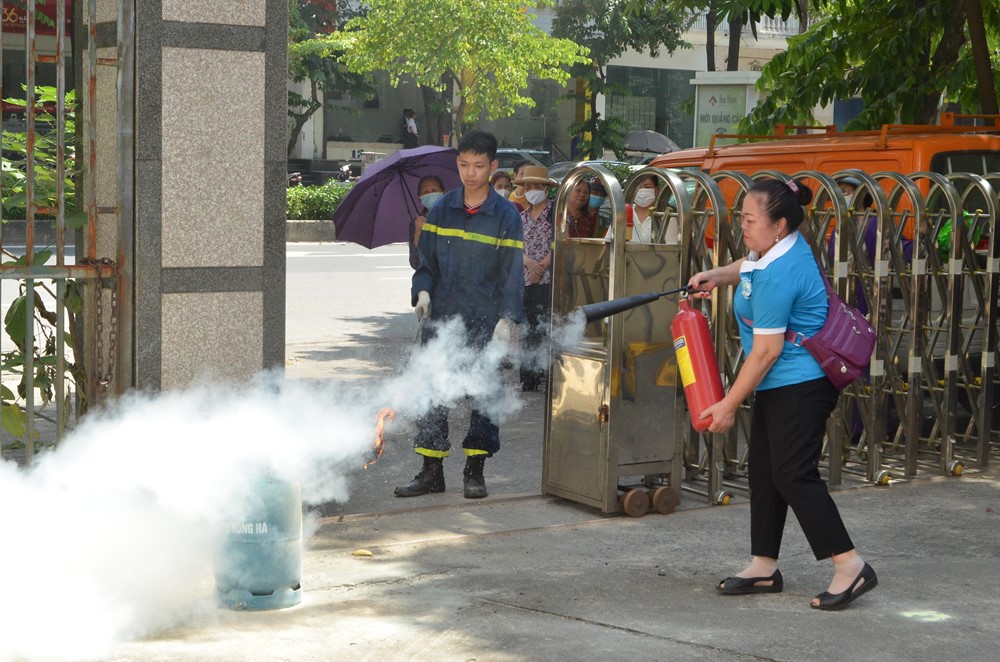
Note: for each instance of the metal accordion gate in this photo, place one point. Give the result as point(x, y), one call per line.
point(66, 270)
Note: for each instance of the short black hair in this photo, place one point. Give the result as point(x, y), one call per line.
point(479, 142)
point(780, 199)
point(519, 165)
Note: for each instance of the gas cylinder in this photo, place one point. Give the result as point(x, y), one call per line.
point(696, 362)
point(259, 564)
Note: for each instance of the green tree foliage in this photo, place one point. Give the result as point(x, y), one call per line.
point(901, 57)
point(487, 49)
point(315, 51)
point(607, 30)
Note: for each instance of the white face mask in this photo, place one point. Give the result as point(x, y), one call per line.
point(534, 197)
point(644, 197)
point(428, 199)
point(504, 192)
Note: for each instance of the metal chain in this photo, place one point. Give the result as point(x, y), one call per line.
point(103, 377)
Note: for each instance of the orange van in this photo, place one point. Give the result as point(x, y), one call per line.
point(944, 149)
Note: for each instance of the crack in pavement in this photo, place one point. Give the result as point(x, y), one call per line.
point(627, 630)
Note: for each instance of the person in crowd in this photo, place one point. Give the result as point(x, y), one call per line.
point(471, 268)
point(538, 236)
point(861, 211)
point(580, 220)
point(517, 197)
point(780, 288)
point(599, 206)
point(503, 185)
point(642, 210)
point(429, 190)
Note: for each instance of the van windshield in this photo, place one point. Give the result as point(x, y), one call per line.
point(980, 163)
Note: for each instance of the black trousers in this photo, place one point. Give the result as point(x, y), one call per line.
point(786, 438)
point(534, 350)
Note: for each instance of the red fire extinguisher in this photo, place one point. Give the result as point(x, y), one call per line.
point(696, 362)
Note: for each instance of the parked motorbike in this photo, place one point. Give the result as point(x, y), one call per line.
point(344, 175)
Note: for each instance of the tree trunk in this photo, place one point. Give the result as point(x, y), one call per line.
point(733, 56)
point(981, 57)
point(944, 58)
point(432, 126)
point(302, 118)
point(710, 25)
point(803, 15)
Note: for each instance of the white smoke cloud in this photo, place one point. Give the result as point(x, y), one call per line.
point(112, 536)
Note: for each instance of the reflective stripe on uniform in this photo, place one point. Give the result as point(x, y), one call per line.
point(475, 451)
point(473, 236)
point(427, 452)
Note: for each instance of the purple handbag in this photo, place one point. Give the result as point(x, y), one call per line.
point(843, 347)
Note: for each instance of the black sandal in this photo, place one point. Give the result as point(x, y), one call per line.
point(745, 585)
point(832, 602)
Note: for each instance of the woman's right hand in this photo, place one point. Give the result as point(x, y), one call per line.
point(701, 285)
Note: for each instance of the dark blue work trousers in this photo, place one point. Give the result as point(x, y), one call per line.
point(483, 436)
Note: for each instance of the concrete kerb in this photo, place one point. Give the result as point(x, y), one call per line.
point(310, 231)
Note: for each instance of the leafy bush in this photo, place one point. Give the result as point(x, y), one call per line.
point(308, 203)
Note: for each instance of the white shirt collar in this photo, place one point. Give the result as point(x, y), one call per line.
point(753, 262)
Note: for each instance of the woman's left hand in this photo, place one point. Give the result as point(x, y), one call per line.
point(723, 416)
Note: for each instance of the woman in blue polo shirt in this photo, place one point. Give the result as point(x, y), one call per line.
point(780, 288)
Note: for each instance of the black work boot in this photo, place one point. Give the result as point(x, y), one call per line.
point(430, 479)
point(475, 484)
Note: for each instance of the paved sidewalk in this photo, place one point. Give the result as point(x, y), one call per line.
point(540, 578)
point(521, 576)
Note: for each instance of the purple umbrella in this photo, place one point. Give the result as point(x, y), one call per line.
point(378, 210)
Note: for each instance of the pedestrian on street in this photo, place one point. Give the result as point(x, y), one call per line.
point(539, 234)
point(471, 268)
point(781, 288)
point(410, 137)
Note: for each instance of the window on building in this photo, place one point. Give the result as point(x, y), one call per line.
point(661, 100)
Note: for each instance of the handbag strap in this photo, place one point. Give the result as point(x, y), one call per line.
point(797, 337)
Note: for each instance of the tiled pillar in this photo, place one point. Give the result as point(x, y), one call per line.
point(210, 132)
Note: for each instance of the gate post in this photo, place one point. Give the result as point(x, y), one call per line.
point(210, 127)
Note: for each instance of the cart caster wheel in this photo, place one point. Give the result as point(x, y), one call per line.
point(665, 499)
point(883, 478)
point(723, 498)
point(635, 503)
point(956, 468)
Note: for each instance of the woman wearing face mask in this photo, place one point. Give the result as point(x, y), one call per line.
point(517, 196)
point(501, 183)
point(580, 222)
point(642, 210)
point(430, 189)
point(538, 236)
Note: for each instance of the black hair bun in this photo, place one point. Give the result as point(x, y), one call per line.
point(802, 192)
